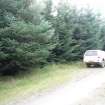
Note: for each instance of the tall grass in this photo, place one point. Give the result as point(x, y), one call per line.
point(37, 80)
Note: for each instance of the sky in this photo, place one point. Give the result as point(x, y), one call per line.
point(97, 5)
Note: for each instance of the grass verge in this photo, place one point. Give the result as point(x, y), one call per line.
point(37, 81)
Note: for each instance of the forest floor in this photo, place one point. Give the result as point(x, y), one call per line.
point(37, 80)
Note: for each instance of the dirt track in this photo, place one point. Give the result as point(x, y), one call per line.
point(86, 88)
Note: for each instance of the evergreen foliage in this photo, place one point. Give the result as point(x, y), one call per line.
point(31, 35)
point(24, 42)
point(76, 32)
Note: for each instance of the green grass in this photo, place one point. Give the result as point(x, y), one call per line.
point(37, 81)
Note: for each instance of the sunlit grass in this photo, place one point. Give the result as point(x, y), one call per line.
point(37, 81)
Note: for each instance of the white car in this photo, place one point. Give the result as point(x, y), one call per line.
point(94, 58)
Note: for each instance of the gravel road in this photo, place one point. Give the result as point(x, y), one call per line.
point(86, 88)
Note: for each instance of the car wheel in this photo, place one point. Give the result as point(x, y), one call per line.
point(88, 65)
point(103, 64)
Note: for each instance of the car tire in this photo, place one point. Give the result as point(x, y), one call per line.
point(103, 64)
point(88, 65)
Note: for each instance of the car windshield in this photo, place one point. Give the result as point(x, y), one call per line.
point(91, 53)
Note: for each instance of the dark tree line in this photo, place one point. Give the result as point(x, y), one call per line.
point(31, 35)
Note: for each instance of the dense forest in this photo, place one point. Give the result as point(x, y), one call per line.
point(33, 34)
